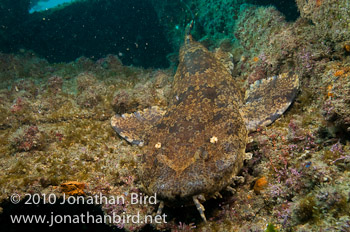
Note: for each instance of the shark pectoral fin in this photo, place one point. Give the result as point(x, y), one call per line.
point(268, 99)
point(132, 127)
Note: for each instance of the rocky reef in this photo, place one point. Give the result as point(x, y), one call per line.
point(330, 18)
point(55, 133)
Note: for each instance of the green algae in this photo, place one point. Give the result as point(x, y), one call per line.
point(270, 228)
point(307, 209)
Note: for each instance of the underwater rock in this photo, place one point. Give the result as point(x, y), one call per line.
point(28, 138)
point(54, 84)
point(145, 94)
point(90, 90)
point(91, 96)
point(111, 62)
point(85, 81)
point(27, 88)
point(123, 102)
point(256, 27)
point(269, 39)
point(336, 109)
point(331, 18)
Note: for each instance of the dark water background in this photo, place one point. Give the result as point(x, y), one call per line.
point(95, 29)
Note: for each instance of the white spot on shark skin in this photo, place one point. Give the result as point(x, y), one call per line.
point(214, 139)
point(158, 145)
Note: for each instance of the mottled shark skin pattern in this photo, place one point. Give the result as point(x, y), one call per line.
point(196, 147)
point(268, 99)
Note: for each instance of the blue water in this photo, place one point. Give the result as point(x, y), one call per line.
point(45, 5)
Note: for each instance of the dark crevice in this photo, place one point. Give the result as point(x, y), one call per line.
point(88, 28)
